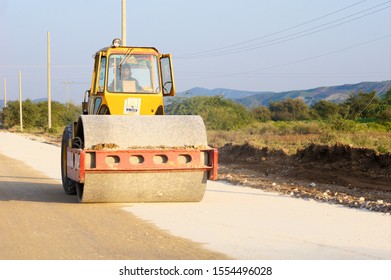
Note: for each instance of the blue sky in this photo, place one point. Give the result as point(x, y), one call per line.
point(269, 45)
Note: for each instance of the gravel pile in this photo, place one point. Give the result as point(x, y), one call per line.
point(318, 192)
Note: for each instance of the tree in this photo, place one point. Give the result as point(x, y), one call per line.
point(387, 97)
point(62, 115)
point(385, 103)
point(289, 110)
point(325, 109)
point(10, 114)
point(30, 114)
point(261, 113)
point(385, 115)
point(218, 113)
point(361, 105)
point(36, 114)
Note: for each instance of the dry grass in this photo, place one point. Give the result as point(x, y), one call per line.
point(296, 135)
point(290, 136)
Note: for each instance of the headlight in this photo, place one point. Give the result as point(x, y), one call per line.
point(116, 43)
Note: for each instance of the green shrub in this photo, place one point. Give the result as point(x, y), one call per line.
point(218, 113)
point(35, 115)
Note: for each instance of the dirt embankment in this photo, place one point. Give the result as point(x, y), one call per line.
point(355, 177)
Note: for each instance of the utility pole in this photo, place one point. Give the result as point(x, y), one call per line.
point(20, 101)
point(68, 89)
point(49, 87)
point(123, 22)
point(5, 93)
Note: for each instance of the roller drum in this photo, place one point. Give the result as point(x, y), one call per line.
point(142, 131)
point(151, 132)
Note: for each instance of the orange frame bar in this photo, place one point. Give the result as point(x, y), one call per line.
point(146, 160)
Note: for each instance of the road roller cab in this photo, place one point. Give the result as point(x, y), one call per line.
point(129, 81)
point(123, 148)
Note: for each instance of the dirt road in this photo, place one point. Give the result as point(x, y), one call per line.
point(38, 221)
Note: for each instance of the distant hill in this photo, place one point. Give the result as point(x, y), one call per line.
point(251, 99)
point(40, 100)
point(34, 101)
point(227, 93)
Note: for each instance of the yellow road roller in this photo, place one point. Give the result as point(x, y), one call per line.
point(123, 148)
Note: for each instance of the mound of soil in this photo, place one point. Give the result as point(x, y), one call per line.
point(342, 174)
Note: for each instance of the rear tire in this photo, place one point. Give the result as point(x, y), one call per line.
point(68, 184)
point(79, 191)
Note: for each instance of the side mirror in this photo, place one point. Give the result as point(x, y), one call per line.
point(167, 75)
point(84, 104)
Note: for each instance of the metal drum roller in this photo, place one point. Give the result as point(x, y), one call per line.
point(141, 133)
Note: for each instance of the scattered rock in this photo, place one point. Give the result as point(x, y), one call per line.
point(312, 185)
point(104, 146)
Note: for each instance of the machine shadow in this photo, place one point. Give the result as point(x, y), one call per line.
point(34, 192)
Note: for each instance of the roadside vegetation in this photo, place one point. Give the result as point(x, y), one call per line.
point(35, 116)
point(363, 120)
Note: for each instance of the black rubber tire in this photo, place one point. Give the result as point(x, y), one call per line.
point(79, 191)
point(68, 184)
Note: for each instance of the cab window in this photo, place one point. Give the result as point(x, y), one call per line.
point(133, 73)
point(101, 75)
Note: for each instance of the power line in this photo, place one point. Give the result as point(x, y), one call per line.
point(298, 61)
point(229, 50)
point(286, 38)
point(271, 34)
point(324, 54)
